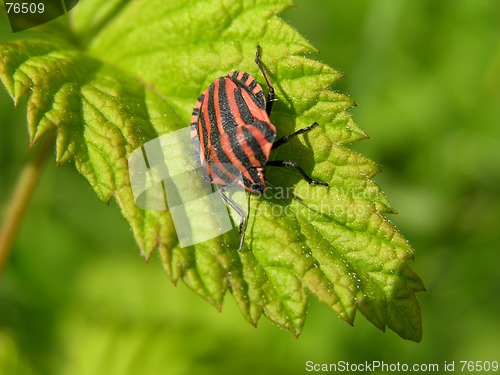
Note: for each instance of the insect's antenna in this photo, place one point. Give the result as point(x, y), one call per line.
point(244, 229)
point(243, 216)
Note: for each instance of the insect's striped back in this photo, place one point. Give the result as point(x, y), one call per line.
point(233, 136)
point(231, 131)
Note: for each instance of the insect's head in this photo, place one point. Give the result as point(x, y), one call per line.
point(257, 188)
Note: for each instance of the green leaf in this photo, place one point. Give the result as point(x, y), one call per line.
point(132, 71)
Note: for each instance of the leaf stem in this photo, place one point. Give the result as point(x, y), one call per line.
point(18, 202)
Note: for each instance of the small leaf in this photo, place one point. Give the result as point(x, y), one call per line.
point(142, 67)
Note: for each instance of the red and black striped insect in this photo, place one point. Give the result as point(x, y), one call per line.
point(233, 135)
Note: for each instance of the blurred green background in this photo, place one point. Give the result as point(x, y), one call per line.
point(76, 297)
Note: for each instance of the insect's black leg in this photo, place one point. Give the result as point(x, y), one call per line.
point(270, 95)
point(286, 138)
point(243, 216)
point(291, 164)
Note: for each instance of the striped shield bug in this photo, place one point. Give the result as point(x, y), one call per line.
point(230, 126)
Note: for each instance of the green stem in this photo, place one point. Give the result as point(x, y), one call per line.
point(21, 195)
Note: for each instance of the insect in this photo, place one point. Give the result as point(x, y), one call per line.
point(233, 136)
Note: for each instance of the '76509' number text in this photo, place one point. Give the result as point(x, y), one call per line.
point(24, 8)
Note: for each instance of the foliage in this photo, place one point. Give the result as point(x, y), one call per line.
point(108, 82)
